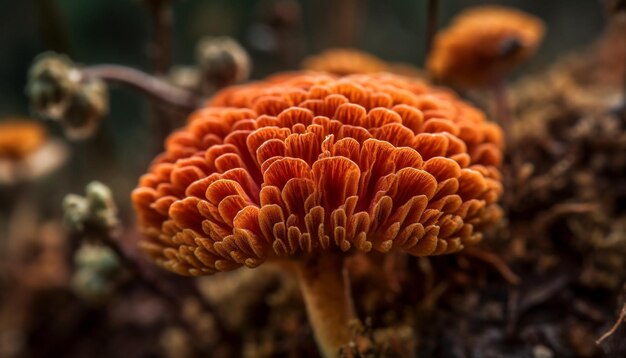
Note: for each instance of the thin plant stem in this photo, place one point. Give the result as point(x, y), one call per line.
point(610, 332)
point(502, 114)
point(161, 55)
point(502, 106)
point(161, 44)
point(431, 25)
point(154, 88)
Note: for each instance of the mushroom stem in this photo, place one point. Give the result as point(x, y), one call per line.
point(325, 286)
point(502, 107)
point(153, 87)
point(502, 114)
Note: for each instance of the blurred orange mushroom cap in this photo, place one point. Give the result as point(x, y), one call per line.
point(483, 44)
point(344, 61)
point(304, 163)
point(20, 138)
point(26, 152)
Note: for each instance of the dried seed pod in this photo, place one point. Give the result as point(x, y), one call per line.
point(312, 167)
point(186, 77)
point(222, 62)
point(58, 89)
point(51, 84)
point(88, 105)
point(483, 44)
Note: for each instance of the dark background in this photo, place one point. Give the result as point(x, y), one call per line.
point(117, 31)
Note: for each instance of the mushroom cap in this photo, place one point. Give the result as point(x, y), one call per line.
point(306, 163)
point(20, 138)
point(483, 44)
point(344, 61)
point(26, 152)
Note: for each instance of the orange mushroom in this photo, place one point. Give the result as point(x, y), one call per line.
point(483, 44)
point(344, 61)
point(26, 152)
point(18, 139)
point(348, 61)
point(308, 168)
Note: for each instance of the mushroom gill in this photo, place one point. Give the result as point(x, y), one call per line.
point(306, 163)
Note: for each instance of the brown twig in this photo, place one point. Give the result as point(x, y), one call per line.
point(150, 86)
point(431, 25)
point(161, 45)
point(171, 291)
point(346, 21)
point(518, 303)
point(620, 319)
point(495, 261)
point(560, 210)
point(161, 55)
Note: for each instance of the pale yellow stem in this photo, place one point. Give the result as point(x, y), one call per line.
point(326, 290)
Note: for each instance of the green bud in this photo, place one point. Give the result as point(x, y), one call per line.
point(96, 258)
point(90, 285)
point(96, 210)
point(102, 208)
point(75, 211)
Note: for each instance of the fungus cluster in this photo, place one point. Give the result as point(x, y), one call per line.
point(306, 168)
point(483, 44)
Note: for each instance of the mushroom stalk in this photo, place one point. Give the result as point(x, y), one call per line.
point(153, 87)
point(502, 107)
point(325, 286)
point(502, 113)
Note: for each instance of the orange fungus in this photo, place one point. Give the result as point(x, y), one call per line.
point(483, 44)
point(304, 163)
point(18, 139)
point(344, 61)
